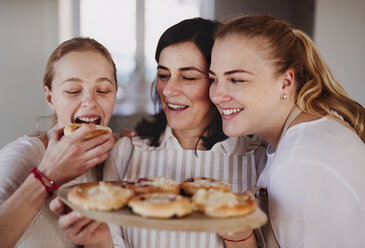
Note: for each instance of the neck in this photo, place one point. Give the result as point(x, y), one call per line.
point(302, 117)
point(275, 128)
point(188, 139)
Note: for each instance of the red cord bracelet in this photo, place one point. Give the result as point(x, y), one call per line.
point(38, 174)
point(241, 240)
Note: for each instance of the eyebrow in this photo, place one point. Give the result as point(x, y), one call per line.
point(190, 68)
point(233, 72)
point(78, 80)
point(104, 79)
point(237, 71)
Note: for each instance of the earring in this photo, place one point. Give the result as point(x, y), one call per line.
point(284, 96)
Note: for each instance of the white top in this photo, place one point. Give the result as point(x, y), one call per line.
point(232, 161)
point(17, 159)
point(316, 186)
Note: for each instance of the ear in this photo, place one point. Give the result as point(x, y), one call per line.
point(49, 99)
point(288, 87)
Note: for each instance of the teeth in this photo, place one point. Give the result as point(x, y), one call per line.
point(85, 119)
point(173, 106)
point(231, 111)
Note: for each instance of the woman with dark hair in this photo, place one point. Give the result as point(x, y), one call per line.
point(184, 139)
point(197, 33)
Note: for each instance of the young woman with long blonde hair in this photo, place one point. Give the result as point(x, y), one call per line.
point(268, 79)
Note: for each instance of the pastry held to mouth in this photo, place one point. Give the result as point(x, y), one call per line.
point(74, 126)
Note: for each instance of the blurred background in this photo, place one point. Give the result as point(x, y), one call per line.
point(31, 29)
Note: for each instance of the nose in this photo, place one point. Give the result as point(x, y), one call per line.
point(171, 87)
point(218, 93)
point(88, 99)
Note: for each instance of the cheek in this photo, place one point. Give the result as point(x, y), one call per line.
point(64, 104)
point(212, 89)
point(160, 87)
point(107, 105)
point(201, 97)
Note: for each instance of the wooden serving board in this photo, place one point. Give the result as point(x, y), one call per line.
point(193, 222)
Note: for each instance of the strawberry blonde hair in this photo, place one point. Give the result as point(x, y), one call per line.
point(317, 92)
point(75, 44)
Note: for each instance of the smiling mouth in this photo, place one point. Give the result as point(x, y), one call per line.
point(233, 111)
point(95, 120)
point(177, 107)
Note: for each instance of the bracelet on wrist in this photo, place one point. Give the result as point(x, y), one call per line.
point(240, 240)
point(40, 176)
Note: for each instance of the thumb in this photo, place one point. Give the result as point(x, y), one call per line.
point(57, 206)
point(248, 192)
point(56, 136)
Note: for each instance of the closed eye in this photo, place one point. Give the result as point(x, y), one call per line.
point(236, 80)
point(189, 78)
point(73, 92)
point(103, 91)
point(163, 76)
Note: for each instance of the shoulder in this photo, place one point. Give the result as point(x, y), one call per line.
point(21, 156)
point(322, 138)
point(16, 160)
point(23, 147)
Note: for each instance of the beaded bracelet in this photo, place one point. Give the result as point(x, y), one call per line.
point(241, 240)
point(38, 175)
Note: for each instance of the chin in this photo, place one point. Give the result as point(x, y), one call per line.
point(231, 131)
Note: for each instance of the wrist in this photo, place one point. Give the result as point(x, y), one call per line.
point(49, 185)
point(106, 244)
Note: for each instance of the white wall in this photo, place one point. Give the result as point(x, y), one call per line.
point(339, 32)
point(29, 33)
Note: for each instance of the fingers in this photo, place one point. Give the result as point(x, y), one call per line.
point(106, 139)
point(86, 149)
point(56, 206)
point(94, 233)
point(94, 161)
point(72, 155)
point(87, 230)
point(248, 192)
point(81, 230)
point(73, 222)
point(56, 135)
point(127, 133)
point(97, 154)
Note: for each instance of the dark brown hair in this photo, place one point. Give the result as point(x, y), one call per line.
point(199, 31)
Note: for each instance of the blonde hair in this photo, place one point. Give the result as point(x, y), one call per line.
point(318, 93)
